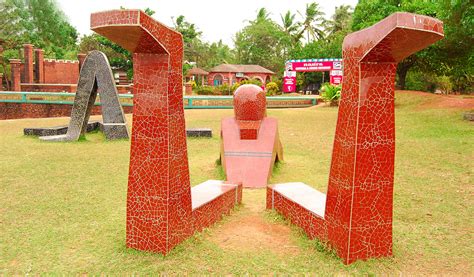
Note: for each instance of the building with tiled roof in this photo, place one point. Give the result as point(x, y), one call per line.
point(233, 73)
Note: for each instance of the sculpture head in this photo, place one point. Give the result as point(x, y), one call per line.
point(249, 103)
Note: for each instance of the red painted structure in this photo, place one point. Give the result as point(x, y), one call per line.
point(48, 75)
point(232, 73)
point(162, 209)
point(334, 66)
point(27, 110)
point(355, 216)
point(250, 144)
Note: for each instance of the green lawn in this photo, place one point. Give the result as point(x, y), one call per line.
point(63, 204)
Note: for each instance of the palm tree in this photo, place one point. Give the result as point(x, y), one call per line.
point(262, 15)
point(290, 26)
point(313, 21)
point(288, 23)
point(340, 20)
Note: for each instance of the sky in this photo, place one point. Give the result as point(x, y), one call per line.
point(216, 19)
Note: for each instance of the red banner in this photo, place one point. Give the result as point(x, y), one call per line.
point(334, 67)
point(289, 84)
point(310, 66)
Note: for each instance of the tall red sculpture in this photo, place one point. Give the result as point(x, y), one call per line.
point(355, 216)
point(250, 144)
point(162, 209)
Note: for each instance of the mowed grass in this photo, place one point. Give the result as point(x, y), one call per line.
point(63, 204)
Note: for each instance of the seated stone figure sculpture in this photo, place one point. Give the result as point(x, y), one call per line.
point(250, 144)
point(95, 76)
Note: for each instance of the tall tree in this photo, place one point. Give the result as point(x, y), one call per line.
point(263, 42)
point(290, 25)
point(341, 20)
point(262, 15)
point(312, 23)
point(454, 55)
point(40, 22)
point(191, 37)
point(215, 53)
point(368, 12)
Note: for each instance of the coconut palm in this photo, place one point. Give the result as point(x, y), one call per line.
point(290, 26)
point(312, 23)
point(340, 20)
point(262, 15)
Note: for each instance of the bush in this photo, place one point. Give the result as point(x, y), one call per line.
point(331, 93)
point(444, 84)
point(252, 82)
point(223, 89)
point(234, 87)
point(415, 80)
point(279, 84)
point(272, 88)
point(205, 90)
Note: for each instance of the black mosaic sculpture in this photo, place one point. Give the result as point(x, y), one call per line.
point(199, 133)
point(95, 125)
point(59, 130)
point(96, 76)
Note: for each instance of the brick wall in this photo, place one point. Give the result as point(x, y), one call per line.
point(61, 71)
point(49, 87)
point(21, 110)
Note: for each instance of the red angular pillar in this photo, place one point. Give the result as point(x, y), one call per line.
point(39, 66)
point(159, 195)
point(160, 213)
point(355, 216)
point(28, 68)
point(15, 65)
point(360, 193)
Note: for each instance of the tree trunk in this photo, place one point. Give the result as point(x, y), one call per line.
point(402, 70)
point(402, 75)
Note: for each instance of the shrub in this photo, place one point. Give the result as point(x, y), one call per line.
point(252, 82)
point(272, 88)
point(279, 84)
point(415, 81)
point(331, 93)
point(224, 89)
point(235, 86)
point(444, 84)
point(205, 90)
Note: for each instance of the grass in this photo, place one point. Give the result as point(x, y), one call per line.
point(63, 204)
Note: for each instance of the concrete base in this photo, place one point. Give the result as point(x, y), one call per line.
point(58, 130)
point(199, 132)
point(96, 125)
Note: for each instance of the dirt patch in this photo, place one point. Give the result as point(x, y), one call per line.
point(250, 231)
point(439, 101)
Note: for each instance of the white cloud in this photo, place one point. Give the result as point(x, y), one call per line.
point(216, 19)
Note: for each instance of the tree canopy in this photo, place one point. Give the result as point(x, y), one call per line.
point(40, 22)
point(296, 35)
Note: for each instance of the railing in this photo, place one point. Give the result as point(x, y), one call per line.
point(64, 98)
point(189, 102)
